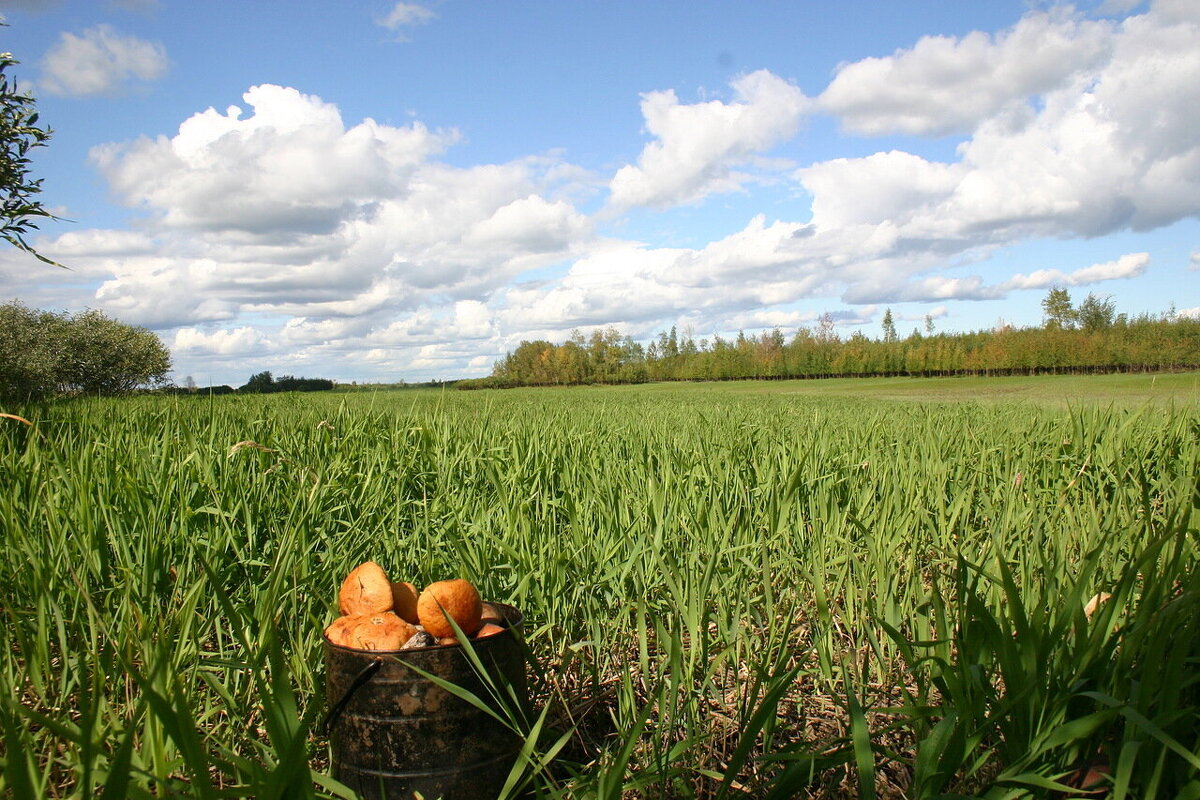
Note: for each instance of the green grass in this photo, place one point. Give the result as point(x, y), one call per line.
point(731, 590)
point(1057, 390)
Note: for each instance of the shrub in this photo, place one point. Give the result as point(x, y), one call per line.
point(43, 353)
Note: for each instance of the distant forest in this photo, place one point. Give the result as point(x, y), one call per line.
point(1089, 338)
point(259, 383)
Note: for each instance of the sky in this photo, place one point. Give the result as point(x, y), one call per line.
point(377, 191)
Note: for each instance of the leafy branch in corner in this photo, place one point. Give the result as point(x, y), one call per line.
point(19, 134)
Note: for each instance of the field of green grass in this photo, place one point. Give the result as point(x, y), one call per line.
point(759, 590)
point(1131, 390)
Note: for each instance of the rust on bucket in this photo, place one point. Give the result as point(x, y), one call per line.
point(394, 732)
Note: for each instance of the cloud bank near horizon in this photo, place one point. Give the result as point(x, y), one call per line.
point(275, 228)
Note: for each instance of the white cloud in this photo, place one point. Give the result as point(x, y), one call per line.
point(364, 251)
point(463, 321)
point(290, 167)
point(1194, 260)
point(937, 312)
point(697, 147)
point(243, 341)
point(767, 319)
point(882, 188)
point(1189, 313)
point(287, 210)
point(1127, 266)
point(93, 242)
point(924, 290)
point(946, 84)
point(852, 318)
point(100, 61)
point(405, 15)
point(1114, 148)
point(370, 254)
point(932, 288)
point(763, 265)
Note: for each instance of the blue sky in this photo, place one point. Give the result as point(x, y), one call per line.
point(378, 191)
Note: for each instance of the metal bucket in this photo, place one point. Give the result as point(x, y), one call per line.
point(394, 732)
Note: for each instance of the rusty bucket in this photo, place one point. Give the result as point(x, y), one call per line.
point(395, 733)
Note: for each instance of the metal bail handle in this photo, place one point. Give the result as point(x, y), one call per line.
point(362, 677)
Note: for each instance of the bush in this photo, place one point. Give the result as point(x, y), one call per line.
point(42, 354)
point(30, 344)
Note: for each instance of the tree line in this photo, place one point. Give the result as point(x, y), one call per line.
point(259, 383)
point(1090, 337)
point(264, 383)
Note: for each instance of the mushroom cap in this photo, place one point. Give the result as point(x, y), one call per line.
point(457, 599)
point(404, 601)
point(338, 631)
point(384, 631)
point(492, 614)
point(366, 590)
point(489, 629)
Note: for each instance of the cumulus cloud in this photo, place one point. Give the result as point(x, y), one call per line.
point(765, 264)
point(243, 341)
point(289, 210)
point(945, 84)
point(1194, 260)
point(697, 148)
point(100, 61)
point(1113, 148)
point(882, 188)
point(355, 240)
point(290, 167)
point(463, 321)
point(368, 252)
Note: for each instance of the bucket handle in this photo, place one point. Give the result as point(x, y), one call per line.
point(336, 710)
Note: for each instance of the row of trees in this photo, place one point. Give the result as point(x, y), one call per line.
point(1091, 337)
point(259, 383)
point(43, 353)
point(263, 382)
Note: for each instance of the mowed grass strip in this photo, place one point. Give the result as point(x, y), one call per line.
point(728, 593)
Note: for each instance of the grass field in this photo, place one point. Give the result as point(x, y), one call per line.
point(1128, 391)
point(792, 589)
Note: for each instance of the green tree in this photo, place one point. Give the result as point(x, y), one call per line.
point(259, 382)
point(1096, 314)
point(30, 351)
point(43, 353)
point(104, 356)
point(1057, 309)
point(19, 134)
point(889, 326)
